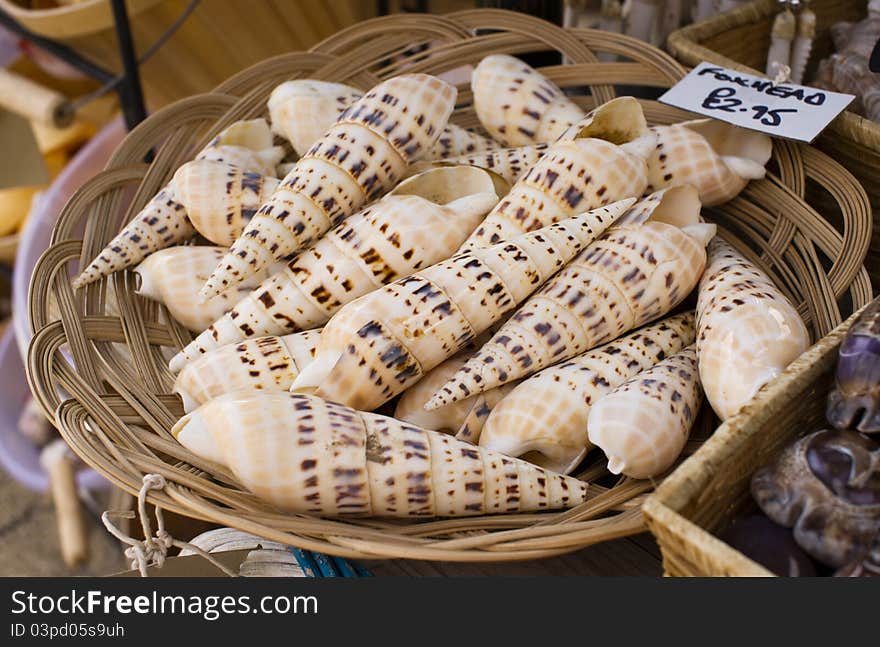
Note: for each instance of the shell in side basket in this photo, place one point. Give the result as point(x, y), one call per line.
point(270, 363)
point(643, 424)
point(378, 345)
point(463, 419)
point(517, 105)
point(630, 276)
point(545, 417)
point(302, 110)
point(220, 198)
point(421, 222)
point(678, 206)
point(582, 171)
point(163, 221)
point(304, 454)
point(715, 157)
point(362, 155)
point(747, 330)
point(173, 277)
point(509, 163)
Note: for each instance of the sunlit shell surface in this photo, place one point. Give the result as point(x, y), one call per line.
point(304, 454)
point(421, 222)
point(380, 344)
point(269, 363)
point(173, 277)
point(747, 330)
point(628, 277)
point(544, 418)
point(362, 155)
point(643, 424)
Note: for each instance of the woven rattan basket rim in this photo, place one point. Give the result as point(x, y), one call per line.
point(685, 45)
point(120, 412)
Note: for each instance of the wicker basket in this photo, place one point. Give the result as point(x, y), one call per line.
point(740, 39)
point(711, 488)
point(118, 411)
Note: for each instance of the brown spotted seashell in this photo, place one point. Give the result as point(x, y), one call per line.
point(517, 105)
point(163, 222)
point(362, 155)
point(378, 345)
point(544, 419)
point(715, 157)
point(269, 363)
point(421, 222)
point(747, 330)
point(307, 455)
point(643, 424)
point(630, 276)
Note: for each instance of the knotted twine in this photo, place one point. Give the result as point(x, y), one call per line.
point(153, 549)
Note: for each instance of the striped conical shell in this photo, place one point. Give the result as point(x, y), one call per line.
point(362, 155)
point(715, 157)
point(173, 277)
point(630, 276)
point(545, 416)
point(509, 163)
point(302, 110)
point(163, 221)
point(269, 363)
point(304, 454)
point(421, 222)
point(517, 105)
point(463, 419)
point(220, 198)
point(378, 345)
point(643, 424)
point(676, 205)
point(747, 330)
point(576, 174)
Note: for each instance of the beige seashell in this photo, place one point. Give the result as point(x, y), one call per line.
point(716, 158)
point(747, 330)
point(307, 455)
point(270, 363)
point(463, 419)
point(678, 206)
point(220, 198)
point(517, 105)
point(163, 222)
point(643, 424)
point(544, 419)
point(582, 171)
point(173, 277)
point(301, 111)
point(630, 276)
point(510, 163)
point(421, 222)
point(378, 345)
point(361, 156)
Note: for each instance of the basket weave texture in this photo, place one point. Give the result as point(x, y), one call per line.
point(118, 411)
point(740, 39)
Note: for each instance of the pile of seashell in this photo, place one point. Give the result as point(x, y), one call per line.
point(519, 292)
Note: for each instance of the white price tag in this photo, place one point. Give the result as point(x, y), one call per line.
point(785, 110)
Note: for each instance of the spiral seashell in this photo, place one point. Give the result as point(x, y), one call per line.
point(163, 222)
point(630, 276)
point(270, 363)
point(677, 205)
point(380, 344)
point(644, 423)
point(517, 105)
point(545, 418)
point(747, 330)
point(421, 222)
point(173, 277)
point(716, 158)
point(510, 163)
point(362, 155)
point(582, 171)
point(219, 198)
point(302, 110)
point(306, 455)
